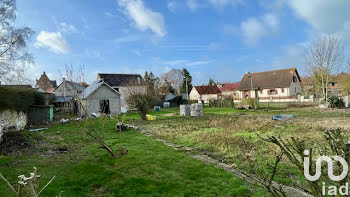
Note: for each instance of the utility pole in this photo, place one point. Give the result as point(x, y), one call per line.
point(186, 88)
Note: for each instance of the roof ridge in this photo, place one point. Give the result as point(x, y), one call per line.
point(293, 68)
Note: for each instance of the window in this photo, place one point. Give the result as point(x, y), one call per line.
point(282, 90)
point(295, 79)
point(273, 92)
point(116, 89)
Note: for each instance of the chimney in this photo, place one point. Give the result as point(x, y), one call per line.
point(64, 87)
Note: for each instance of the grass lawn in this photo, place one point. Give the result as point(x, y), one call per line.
point(150, 168)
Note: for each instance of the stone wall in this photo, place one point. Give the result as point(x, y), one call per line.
point(12, 121)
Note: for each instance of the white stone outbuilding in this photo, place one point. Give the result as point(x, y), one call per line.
point(205, 93)
point(99, 98)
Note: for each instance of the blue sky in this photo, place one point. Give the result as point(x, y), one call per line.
point(221, 39)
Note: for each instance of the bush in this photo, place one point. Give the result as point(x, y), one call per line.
point(19, 98)
point(252, 102)
point(141, 102)
point(336, 102)
point(221, 103)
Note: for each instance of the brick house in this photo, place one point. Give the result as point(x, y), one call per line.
point(46, 84)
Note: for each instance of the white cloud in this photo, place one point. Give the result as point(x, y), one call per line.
point(221, 3)
point(67, 28)
point(324, 16)
point(192, 5)
point(86, 26)
point(93, 54)
point(172, 6)
point(183, 63)
point(52, 40)
point(108, 14)
point(292, 56)
point(271, 21)
point(137, 52)
point(254, 29)
point(143, 17)
point(128, 38)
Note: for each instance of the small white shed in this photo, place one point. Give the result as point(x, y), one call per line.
point(99, 98)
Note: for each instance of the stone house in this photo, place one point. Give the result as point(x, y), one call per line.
point(46, 84)
point(99, 97)
point(271, 86)
point(124, 84)
point(205, 93)
point(65, 95)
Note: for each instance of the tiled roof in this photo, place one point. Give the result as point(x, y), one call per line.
point(121, 79)
point(77, 86)
point(207, 89)
point(269, 79)
point(54, 83)
point(229, 87)
point(92, 88)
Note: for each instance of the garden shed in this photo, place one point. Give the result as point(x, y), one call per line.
point(99, 98)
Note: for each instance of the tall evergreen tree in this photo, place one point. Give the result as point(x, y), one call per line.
point(187, 77)
point(150, 80)
point(211, 82)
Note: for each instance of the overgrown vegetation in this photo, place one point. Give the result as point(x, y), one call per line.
point(229, 135)
point(336, 102)
point(19, 99)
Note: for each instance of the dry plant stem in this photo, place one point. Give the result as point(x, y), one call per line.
point(9, 184)
point(99, 141)
point(48, 183)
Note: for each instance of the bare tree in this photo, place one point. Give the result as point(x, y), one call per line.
point(323, 58)
point(174, 77)
point(71, 75)
point(140, 99)
point(13, 42)
point(90, 127)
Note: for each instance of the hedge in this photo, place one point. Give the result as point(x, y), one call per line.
point(19, 99)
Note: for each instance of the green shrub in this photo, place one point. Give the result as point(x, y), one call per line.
point(19, 98)
point(252, 102)
point(336, 102)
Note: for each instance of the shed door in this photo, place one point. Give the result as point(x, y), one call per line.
point(104, 106)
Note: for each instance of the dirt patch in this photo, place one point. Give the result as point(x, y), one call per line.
point(15, 142)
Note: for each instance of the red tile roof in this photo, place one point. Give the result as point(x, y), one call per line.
point(226, 87)
point(207, 89)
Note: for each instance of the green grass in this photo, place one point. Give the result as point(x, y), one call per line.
point(150, 168)
point(228, 133)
